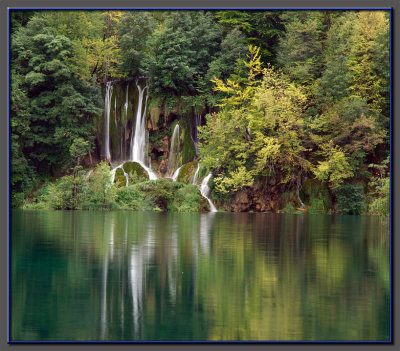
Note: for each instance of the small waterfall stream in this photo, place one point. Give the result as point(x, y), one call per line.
point(176, 174)
point(138, 139)
point(173, 158)
point(195, 178)
point(195, 133)
point(107, 108)
point(205, 191)
point(114, 170)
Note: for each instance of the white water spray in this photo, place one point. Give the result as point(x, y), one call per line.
point(176, 174)
point(205, 191)
point(138, 140)
point(195, 178)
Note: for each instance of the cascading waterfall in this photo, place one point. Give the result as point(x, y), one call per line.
point(205, 191)
point(176, 174)
point(174, 150)
point(125, 132)
point(195, 178)
point(138, 140)
point(107, 108)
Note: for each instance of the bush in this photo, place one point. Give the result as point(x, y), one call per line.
point(381, 205)
point(130, 198)
point(289, 209)
point(317, 206)
point(67, 193)
point(316, 196)
point(17, 200)
point(350, 199)
point(187, 199)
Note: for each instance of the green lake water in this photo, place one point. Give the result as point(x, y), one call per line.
point(124, 276)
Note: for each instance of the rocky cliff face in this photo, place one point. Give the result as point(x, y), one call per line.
point(271, 196)
point(258, 198)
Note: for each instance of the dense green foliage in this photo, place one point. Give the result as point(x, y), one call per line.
point(350, 199)
point(290, 95)
point(98, 191)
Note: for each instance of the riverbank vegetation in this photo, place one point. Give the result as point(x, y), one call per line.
point(294, 108)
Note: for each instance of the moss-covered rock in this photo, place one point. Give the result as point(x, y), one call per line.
point(120, 177)
point(188, 149)
point(135, 167)
point(187, 172)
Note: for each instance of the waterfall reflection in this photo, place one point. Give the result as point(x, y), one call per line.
point(144, 260)
point(206, 222)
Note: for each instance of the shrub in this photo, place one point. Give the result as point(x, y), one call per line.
point(381, 205)
point(316, 196)
point(350, 199)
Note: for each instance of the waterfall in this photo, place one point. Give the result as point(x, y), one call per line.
point(195, 177)
point(195, 131)
point(123, 142)
point(138, 139)
point(205, 191)
point(89, 174)
point(174, 150)
point(176, 174)
point(107, 108)
point(126, 102)
point(114, 170)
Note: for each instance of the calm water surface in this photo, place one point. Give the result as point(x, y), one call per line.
point(201, 276)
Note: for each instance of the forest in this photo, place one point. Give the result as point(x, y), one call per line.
point(267, 110)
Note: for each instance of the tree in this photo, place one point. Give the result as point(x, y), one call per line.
point(381, 68)
point(80, 27)
point(102, 190)
point(335, 168)
point(350, 125)
point(260, 28)
point(259, 130)
point(134, 31)
point(104, 52)
point(366, 82)
point(59, 107)
point(182, 48)
point(300, 49)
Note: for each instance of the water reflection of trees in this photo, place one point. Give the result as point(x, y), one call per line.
point(168, 276)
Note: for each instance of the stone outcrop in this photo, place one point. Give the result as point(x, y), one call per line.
point(261, 197)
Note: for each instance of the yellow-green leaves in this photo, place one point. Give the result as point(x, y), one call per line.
point(258, 130)
point(335, 168)
point(239, 93)
point(237, 179)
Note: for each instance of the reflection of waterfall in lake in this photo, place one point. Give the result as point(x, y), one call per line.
point(173, 263)
point(141, 255)
point(206, 221)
